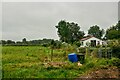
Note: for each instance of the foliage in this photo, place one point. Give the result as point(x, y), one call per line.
point(115, 62)
point(118, 25)
point(44, 42)
point(69, 32)
point(116, 51)
point(7, 42)
point(113, 32)
point(102, 62)
point(24, 40)
point(95, 31)
point(90, 65)
point(56, 44)
point(30, 62)
point(77, 43)
point(115, 46)
point(82, 50)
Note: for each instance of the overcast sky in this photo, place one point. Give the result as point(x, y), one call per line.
point(37, 20)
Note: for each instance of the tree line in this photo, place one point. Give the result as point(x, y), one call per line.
point(70, 32)
point(41, 42)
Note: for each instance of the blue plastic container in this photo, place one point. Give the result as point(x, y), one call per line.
point(72, 57)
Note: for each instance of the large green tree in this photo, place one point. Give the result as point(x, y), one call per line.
point(69, 32)
point(24, 40)
point(113, 32)
point(96, 31)
point(118, 25)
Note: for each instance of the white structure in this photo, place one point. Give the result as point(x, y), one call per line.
point(91, 41)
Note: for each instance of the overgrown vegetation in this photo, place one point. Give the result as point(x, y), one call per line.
point(115, 46)
point(34, 62)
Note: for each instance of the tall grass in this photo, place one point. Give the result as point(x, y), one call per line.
point(32, 62)
point(27, 61)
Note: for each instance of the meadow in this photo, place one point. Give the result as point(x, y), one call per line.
point(35, 62)
point(28, 62)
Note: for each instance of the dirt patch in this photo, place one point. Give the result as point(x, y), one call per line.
point(105, 72)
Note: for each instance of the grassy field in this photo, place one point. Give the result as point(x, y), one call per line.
point(34, 62)
point(31, 62)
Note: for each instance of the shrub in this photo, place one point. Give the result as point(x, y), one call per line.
point(90, 65)
point(77, 43)
point(103, 61)
point(116, 51)
point(82, 50)
point(115, 62)
point(45, 45)
point(115, 46)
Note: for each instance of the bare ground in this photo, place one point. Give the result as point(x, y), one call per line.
point(105, 72)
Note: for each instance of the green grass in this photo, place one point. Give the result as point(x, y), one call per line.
point(28, 62)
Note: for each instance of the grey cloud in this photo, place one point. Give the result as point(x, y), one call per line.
point(35, 20)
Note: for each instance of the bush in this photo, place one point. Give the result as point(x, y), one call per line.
point(90, 65)
point(77, 43)
point(116, 51)
point(115, 46)
point(45, 45)
point(103, 62)
point(115, 62)
point(82, 50)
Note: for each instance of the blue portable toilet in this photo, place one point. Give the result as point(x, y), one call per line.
point(72, 57)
